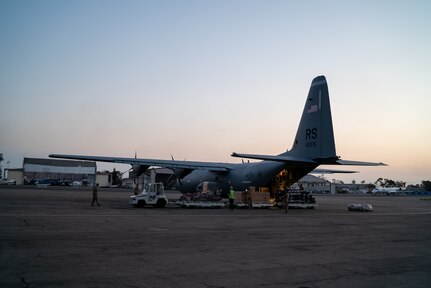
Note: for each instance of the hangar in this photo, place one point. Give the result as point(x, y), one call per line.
point(60, 170)
point(315, 184)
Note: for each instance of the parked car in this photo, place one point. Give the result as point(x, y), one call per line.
point(42, 183)
point(65, 183)
point(76, 184)
point(360, 207)
point(8, 182)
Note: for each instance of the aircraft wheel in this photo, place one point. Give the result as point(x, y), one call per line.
point(161, 203)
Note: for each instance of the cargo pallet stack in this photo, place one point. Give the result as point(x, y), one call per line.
point(200, 200)
point(301, 199)
point(253, 198)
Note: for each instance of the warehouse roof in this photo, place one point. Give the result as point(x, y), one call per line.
point(313, 179)
point(55, 162)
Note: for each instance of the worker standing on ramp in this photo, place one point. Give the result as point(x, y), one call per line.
point(286, 200)
point(95, 192)
point(231, 198)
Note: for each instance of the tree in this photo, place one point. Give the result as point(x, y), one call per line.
point(116, 177)
point(379, 182)
point(426, 185)
point(385, 183)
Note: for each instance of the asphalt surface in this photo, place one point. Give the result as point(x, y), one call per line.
point(54, 238)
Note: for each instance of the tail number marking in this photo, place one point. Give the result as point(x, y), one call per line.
point(311, 134)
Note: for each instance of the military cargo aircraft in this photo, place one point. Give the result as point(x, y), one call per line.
point(313, 145)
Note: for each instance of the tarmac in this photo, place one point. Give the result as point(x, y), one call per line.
point(54, 238)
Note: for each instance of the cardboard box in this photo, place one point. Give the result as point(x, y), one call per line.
point(260, 197)
point(240, 197)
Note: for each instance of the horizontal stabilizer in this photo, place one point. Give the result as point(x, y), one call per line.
point(277, 158)
point(358, 163)
point(330, 171)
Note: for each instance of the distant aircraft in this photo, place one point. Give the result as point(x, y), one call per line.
point(314, 145)
point(387, 190)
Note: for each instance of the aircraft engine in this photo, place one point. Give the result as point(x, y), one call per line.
point(138, 170)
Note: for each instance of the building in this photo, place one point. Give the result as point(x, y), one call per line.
point(315, 184)
point(15, 174)
point(154, 175)
point(128, 183)
point(104, 179)
point(344, 188)
point(60, 170)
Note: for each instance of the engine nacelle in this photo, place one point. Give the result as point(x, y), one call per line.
point(138, 170)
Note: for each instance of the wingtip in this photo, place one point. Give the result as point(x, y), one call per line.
point(359, 163)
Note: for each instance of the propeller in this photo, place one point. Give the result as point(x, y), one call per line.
point(126, 171)
point(136, 169)
point(178, 178)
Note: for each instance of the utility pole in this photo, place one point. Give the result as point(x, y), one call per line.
point(7, 169)
point(1, 159)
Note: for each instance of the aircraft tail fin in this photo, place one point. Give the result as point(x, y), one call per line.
point(315, 136)
point(314, 141)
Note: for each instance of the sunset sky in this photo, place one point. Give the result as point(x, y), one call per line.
point(202, 79)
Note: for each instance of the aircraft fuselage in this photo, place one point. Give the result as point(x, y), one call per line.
point(240, 176)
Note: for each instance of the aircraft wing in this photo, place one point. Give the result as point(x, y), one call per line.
point(170, 164)
point(278, 158)
point(358, 163)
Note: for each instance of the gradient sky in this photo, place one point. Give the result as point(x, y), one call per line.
point(201, 79)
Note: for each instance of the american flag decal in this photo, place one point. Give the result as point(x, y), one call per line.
point(312, 109)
